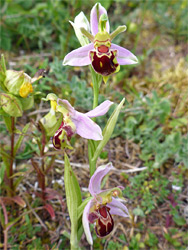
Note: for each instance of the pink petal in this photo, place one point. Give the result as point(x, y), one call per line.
point(86, 128)
point(85, 222)
point(100, 110)
point(118, 208)
point(124, 56)
point(66, 104)
point(95, 181)
point(96, 12)
point(79, 57)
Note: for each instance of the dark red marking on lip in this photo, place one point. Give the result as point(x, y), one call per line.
point(104, 63)
point(69, 133)
point(105, 223)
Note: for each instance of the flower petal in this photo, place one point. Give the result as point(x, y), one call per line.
point(85, 222)
point(79, 57)
point(86, 128)
point(95, 181)
point(81, 21)
point(124, 56)
point(66, 104)
point(100, 110)
point(118, 208)
point(96, 12)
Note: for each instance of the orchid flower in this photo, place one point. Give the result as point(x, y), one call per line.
point(104, 56)
point(79, 123)
point(20, 83)
point(102, 206)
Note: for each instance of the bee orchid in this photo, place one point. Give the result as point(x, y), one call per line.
point(104, 56)
point(102, 206)
point(75, 122)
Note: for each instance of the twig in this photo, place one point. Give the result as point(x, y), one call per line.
point(38, 112)
point(86, 166)
point(130, 170)
point(39, 219)
point(79, 165)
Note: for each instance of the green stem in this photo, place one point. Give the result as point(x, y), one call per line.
point(43, 187)
point(74, 239)
point(96, 80)
point(12, 158)
point(91, 151)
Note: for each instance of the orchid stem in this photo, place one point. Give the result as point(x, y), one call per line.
point(96, 80)
point(73, 239)
point(91, 151)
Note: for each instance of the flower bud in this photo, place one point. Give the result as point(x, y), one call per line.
point(15, 81)
point(50, 122)
point(20, 83)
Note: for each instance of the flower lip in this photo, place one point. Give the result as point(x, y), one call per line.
point(65, 131)
point(103, 63)
point(105, 223)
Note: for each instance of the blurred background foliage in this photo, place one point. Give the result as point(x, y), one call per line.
point(154, 122)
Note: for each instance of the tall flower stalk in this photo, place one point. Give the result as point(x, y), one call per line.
point(98, 51)
point(104, 59)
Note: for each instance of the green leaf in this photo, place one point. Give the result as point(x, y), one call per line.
point(3, 64)
point(108, 130)
point(27, 103)
point(82, 206)
point(73, 197)
point(2, 171)
point(139, 212)
point(6, 157)
point(180, 221)
point(19, 179)
point(20, 139)
point(8, 122)
point(5, 39)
